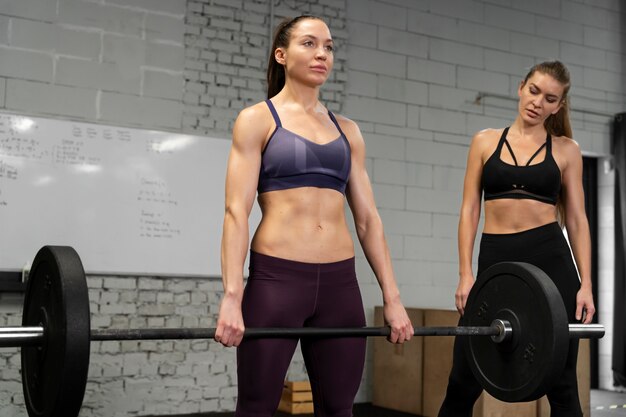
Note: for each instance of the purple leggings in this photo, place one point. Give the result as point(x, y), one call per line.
point(284, 293)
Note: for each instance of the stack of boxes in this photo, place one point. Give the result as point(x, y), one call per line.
point(297, 398)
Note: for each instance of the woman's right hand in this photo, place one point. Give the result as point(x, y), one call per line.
point(230, 325)
point(242, 178)
point(462, 292)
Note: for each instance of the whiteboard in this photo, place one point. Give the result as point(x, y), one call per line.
point(130, 201)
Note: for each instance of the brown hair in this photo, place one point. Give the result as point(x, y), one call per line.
point(282, 36)
point(556, 124)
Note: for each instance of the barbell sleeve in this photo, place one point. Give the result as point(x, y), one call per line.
point(586, 331)
point(21, 336)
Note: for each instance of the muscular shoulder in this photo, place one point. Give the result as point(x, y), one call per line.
point(566, 145)
point(484, 142)
point(486, 137)
point(350, 129)
point(257, 116)
point(566, 150)
point(253, 124)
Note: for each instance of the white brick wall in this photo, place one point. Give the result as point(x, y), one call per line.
point(99, 59)
point(408, 71)
point(157, 376)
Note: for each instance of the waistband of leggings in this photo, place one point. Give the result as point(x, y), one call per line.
point(547, 230)
point(258, 259)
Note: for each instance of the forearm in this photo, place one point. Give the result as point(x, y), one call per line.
point(234, 249)
point(468, 225)
point(372, 238)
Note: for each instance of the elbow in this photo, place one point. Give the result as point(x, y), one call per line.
point(470, 213)
point(576, 222)
point(229, 212)
point(229, 209)
point(361, 227)
point(368, 223)
point(234, 215)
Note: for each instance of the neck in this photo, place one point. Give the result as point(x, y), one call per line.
point(528, 131)
point(303, 96)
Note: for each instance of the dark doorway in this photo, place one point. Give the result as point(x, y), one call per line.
point(590, 185)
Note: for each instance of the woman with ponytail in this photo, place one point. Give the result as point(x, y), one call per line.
point(303, 162)
point(531, 177)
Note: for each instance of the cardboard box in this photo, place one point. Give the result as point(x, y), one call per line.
point(296, 398)
point(583, 372)
point(487, 406)
point(437, 360)
point(398, 369)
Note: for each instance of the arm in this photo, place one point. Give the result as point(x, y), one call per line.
point(469, 218)
point(573, 200)
point(371, 235)
point(241, 180)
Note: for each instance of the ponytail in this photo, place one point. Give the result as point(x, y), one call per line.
point(276, 71)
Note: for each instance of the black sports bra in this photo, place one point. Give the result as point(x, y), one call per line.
point(541, 182)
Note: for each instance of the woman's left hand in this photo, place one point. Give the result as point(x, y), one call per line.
point(584, 302)
point(398, 319)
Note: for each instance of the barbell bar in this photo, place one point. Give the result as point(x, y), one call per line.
point(516, 304)
point(500, 331)
point(34, 335)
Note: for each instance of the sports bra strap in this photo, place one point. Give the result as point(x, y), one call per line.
point(508, 145)
point(537, 153)
point(274, 114)
point(501, 141)
point(332, 117)
point(549, 144)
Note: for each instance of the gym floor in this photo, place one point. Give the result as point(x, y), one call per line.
point(603, 404)
point(360, 410)
point(608, 403)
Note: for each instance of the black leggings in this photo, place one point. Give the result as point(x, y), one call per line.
point(284, 293)
point(546, 248)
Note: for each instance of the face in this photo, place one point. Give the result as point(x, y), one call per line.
point(309, 55)
point(540, 97)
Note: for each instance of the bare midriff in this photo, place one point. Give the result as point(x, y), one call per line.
point(305, 224)
point(509, 215)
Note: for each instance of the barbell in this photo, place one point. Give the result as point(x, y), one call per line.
point(515, 304)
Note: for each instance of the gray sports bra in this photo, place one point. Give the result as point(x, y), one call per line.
point(290, 160)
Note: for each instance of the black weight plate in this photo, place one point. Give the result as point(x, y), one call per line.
point(54, 374)
point(524, 368)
